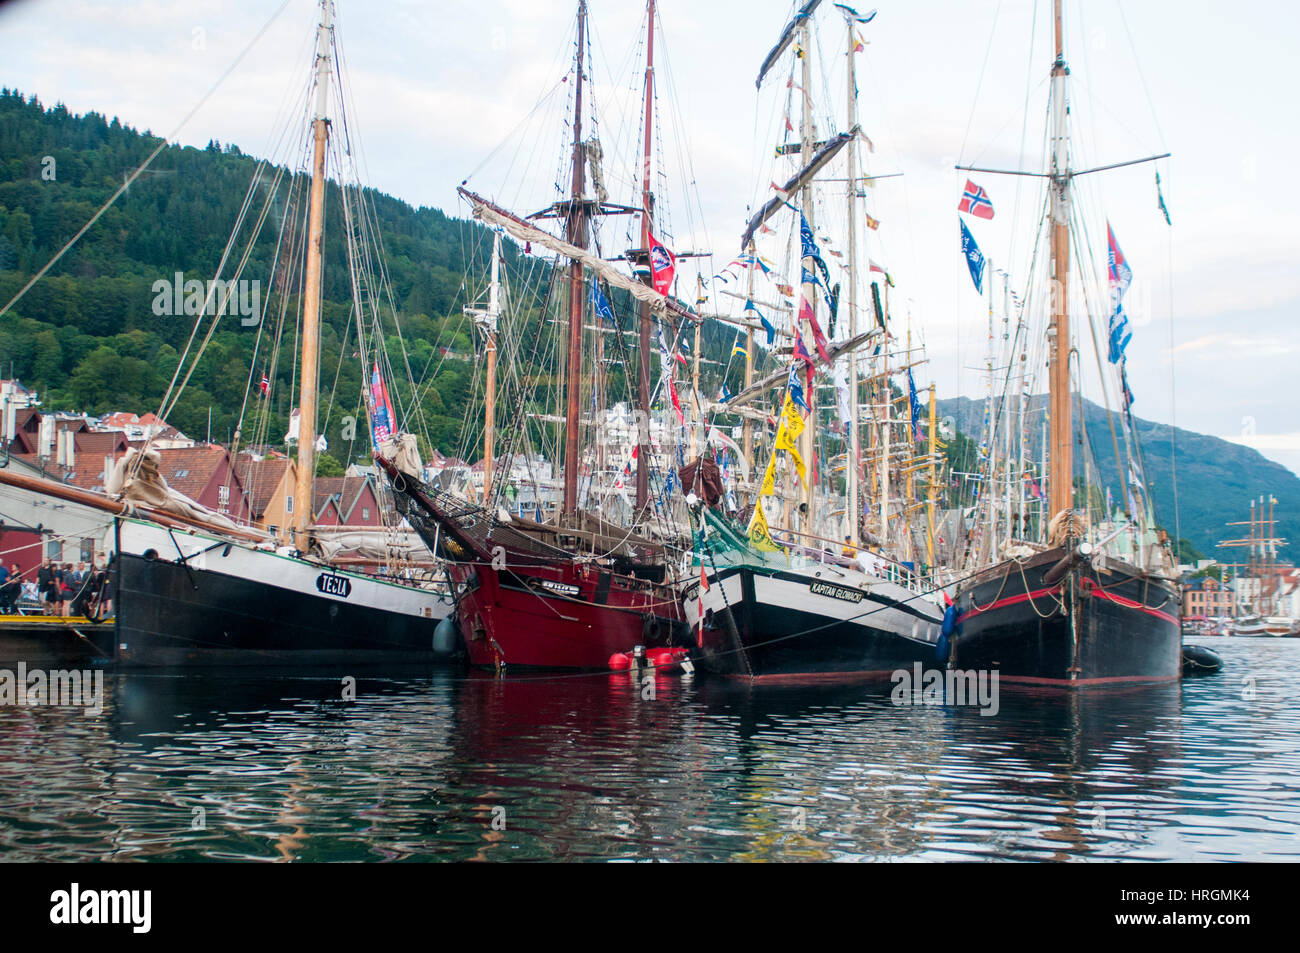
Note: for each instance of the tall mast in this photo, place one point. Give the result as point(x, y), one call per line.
point(577, 235)
point(885, 435)
point(486, 320)
point(310, 357)
point(932, 488)
point(643, 348)
point(852, 505)
point(807, 135)
point(747, 432)
point(1061, 474)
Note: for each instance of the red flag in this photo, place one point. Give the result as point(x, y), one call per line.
point(677, 404)
point(704, 580)
point(663, 264)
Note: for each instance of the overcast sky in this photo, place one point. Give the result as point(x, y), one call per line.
point(438, 86)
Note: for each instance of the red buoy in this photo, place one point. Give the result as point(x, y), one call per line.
point(620, 662)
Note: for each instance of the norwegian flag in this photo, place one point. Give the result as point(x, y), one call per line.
point(265, 387)
point(975, 201)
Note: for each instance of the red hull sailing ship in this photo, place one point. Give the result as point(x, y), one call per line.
point(522, 601)
point(570, 595)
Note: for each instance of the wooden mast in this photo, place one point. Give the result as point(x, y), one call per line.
point(489, 410)
point(310, 357)
point(853, 506)
point(644, 345)
point(932, 488)
point(486, 321)
point(747, 425)
point(1061, 477)
point(577, 235)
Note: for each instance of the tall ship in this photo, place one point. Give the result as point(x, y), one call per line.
point(1092, 597)
point(191, 586)
point(826, 580)
point(569, 592)
point(1265, 590)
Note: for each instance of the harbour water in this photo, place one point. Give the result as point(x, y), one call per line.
point(448, 765)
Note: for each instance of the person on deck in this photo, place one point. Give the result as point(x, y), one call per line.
point(10, 589)
point(67, 586)
point(47, 582)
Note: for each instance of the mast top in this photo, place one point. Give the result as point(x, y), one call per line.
point(324, 33)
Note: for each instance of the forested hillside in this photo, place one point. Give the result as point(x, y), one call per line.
point(86, 336)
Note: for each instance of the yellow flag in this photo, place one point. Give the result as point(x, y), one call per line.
point(798, 464)
point(769, 478)
point(787, 436)
point(759, 534)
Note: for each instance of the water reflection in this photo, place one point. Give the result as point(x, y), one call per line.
point(450, 765)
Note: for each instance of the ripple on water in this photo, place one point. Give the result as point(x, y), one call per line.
point(449, 766)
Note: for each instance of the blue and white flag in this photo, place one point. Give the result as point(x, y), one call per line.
point(917, 410)
point(1120, 277)
point(600, 306)
point(768, 326)
point(974, 257)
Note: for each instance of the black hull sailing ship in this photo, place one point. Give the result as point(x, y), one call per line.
point(775, 624)
point(810, 614)
point(1060, 618)
point(1074, 613)
point(195, 598)
point(192, 588)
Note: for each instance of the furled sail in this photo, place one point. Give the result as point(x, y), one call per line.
point(797, 181)
point(787, 37)
point(491, 214)
point(136, 478)
point(760, 387)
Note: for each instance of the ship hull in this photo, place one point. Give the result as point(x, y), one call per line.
point(1070, 625)
point(229, 605)
point(821, 624)
point(559, 617)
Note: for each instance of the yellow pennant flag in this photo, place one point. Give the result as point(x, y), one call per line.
point(787, 436)
point(769, 478)
point(798, 465)
point(759, 535)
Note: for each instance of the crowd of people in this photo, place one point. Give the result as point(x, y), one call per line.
point(59, 589)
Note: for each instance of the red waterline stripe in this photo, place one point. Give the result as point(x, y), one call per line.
point(1070, 683)
point(1100, 593)
point(795, 678)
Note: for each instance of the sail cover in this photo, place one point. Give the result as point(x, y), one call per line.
point(797, 181)
point(761, 386)
point(787, 37)
point(485, 211)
